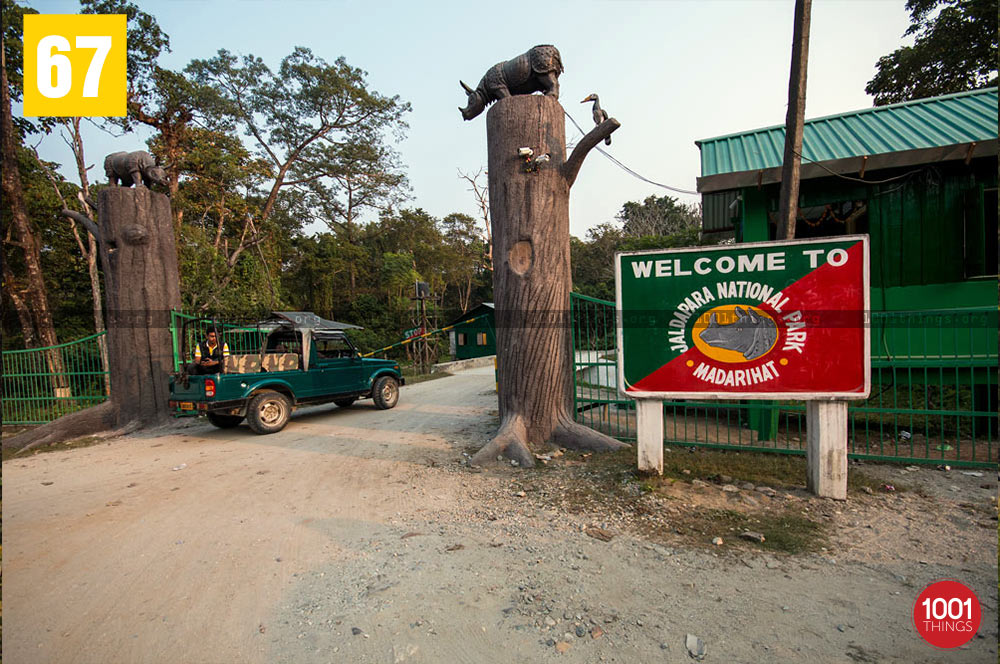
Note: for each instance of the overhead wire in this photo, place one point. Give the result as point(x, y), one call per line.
point(853, 179)
point(688, 191)
point(629, 170)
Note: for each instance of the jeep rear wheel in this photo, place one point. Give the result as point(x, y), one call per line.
point(385, 393)
point(268, 412)
point(224, 421)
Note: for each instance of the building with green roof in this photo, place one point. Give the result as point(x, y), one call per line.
point(920, 178)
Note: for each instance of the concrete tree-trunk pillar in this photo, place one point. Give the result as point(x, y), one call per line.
point(139, 259)
point(138, 254)
point(529, 209)
point(826, 448)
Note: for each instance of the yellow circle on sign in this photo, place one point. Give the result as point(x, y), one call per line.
point(730, 343)
point(74, 65)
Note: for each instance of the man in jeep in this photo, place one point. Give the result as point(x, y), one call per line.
point(209, 354)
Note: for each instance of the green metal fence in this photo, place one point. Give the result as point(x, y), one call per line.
point(933, 398)
point(240, 339)
point(35, 394)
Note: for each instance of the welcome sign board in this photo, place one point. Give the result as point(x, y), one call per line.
point(766, 320)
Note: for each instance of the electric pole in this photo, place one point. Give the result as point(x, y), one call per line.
point(794, 120)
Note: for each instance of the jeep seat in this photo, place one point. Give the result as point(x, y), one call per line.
point(242, 364)
point(280, 362)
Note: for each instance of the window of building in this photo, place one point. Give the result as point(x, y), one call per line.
point(481, 339)
point(461, 338)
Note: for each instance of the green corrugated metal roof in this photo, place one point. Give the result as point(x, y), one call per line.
point(924, 123)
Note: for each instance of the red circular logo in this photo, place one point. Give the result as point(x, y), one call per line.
point(946, 614)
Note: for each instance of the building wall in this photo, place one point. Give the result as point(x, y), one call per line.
point(471, 348)
point(933, 231)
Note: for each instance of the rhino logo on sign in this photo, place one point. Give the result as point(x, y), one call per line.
point(751, 334)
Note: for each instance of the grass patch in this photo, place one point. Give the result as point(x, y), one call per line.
point(784, 531)
point(666, 508)
point(779, 471)
point(775, 470)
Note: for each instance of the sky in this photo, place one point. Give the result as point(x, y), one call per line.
point(670, 71)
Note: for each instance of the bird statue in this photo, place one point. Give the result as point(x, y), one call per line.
point(600, 115)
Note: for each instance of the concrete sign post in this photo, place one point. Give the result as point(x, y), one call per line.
point(768, 320)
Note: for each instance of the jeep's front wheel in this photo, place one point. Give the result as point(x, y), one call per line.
point(385, 392)
point(268, 412)
point(224, 421)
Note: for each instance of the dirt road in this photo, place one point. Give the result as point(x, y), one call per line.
point(355, 535)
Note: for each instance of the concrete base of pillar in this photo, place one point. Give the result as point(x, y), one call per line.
point(649, 434)
point(826, 451)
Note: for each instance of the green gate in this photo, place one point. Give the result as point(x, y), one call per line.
point(34, 394)
point(933, 398)
point(240, 339)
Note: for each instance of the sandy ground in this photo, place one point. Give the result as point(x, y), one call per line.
point(355, 535)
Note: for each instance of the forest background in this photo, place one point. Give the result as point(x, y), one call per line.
point(254, 158)
point(258, 158)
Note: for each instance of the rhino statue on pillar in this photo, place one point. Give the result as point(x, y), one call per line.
point(138, 168)
point(535, 71)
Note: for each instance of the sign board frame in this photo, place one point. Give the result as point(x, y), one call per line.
point(716, 395)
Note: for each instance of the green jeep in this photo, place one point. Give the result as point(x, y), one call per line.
point(302, 360)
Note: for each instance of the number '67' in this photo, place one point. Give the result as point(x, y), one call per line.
point(49, 59)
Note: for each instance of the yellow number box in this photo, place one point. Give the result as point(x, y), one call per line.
point(74, 65)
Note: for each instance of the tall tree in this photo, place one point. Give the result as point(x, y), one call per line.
point(594, 261)
point(955, 49)
point(62, 265)
point(315, 277)
point(219, 241)
point(481, 192)
point(465, 257)
point(155, 97)
point(86, 243)
point(88, 246)
point(22, 233)
point(659, 216)
point(319, 126)
point(655, 223)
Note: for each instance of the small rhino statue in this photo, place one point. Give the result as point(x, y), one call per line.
point(138, 168)
point(535, 71)
point(751, 334)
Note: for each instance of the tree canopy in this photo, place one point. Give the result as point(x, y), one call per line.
point(655, 223)
point(288, 192)
point(955, 49)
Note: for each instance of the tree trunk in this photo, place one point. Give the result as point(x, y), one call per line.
point(466, 298)
point(27, 240)
point(529, 208)
point(794, 121)
point(91, 253)
point(139, 260)
point(138, 249)
point(20, 306)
